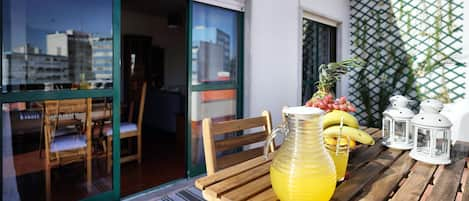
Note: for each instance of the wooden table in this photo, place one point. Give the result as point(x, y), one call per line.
point(376, 173)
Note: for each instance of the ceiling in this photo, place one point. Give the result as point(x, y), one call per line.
point(156, 7)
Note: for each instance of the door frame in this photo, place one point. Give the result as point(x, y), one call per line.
point(192, 171)
point(24, 96)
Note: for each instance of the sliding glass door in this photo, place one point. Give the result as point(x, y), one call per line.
point(59, 95)
point(215, 73)
point(319, 47)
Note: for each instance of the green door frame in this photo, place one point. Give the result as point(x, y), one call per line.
point(22, 96)
point(191, 170)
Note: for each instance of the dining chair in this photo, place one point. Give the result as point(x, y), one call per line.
point(127, 130)
point(75, 145)
point(213, 147)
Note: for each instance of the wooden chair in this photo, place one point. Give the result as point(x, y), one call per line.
point(211, 130)
point(75, 145)
point(127, 130)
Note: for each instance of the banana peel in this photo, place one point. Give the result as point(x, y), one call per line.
point(343, 141)
point(334, 117)
point(353, 133)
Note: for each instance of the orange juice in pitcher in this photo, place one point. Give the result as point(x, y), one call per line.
point(302, 170)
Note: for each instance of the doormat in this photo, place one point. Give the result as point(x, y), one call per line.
point(188, 194)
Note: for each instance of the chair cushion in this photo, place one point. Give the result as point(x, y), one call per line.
point(69, 142)
point(124, 127)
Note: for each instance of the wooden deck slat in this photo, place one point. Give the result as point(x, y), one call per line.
point(238, 180)
point(385, 184)
point(266, 195)
point(416, 182)
point(202, 183)
point(449, 180)
point(361, 177)
point(248, 190)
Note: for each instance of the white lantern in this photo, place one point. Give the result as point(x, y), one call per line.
point(397, 132)
point(432, 134)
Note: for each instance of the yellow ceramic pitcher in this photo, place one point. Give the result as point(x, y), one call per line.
point(302, 170)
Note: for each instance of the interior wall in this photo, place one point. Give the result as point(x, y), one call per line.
point(273, 51)
point(172, 40)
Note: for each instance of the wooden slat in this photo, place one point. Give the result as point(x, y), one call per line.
point(266, 195)
point(448, 182)
point(465, 190)
point(248, 190)
point(234, 142)
point(376, 134)
point(209, 147)
point(361, 177)
point(364, 156)
point(237, 125)
point(233, 159)
point(373, 132)
point(126, 159)
point(202, 183)
point(416, 182)
point(385, 184)
point(238, 180)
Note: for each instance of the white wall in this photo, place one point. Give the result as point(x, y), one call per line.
point(271, 70)
point(273, 50)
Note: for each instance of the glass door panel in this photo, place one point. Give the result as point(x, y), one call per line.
point(319, 47)
point(214, 44)
point(53, 129)
point(214, 73)
point(56, 44)
point(55, 150)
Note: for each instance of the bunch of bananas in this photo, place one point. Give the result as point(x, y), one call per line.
point(331, 126)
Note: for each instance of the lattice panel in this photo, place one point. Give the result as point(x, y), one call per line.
point(410, 47)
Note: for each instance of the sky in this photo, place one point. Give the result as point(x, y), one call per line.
point(29, 21)
point(214, 17)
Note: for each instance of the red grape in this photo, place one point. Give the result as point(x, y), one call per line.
point(343, 107)
point(351, 108)
point(336, 107)
point(342, 100)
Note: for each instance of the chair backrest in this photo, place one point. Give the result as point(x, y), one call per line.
point(212, 146)
point(54, 110)
point(141, 107)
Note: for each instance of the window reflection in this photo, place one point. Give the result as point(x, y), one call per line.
point(56, 44)
point(50, 152)
point(220, 105)
point(214, 60)
point(214, 44)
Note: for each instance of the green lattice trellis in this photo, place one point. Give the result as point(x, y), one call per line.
point(410, 47)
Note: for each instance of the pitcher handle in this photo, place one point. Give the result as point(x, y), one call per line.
point(270, 138)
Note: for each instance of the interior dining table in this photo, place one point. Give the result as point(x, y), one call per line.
point(374, 173)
